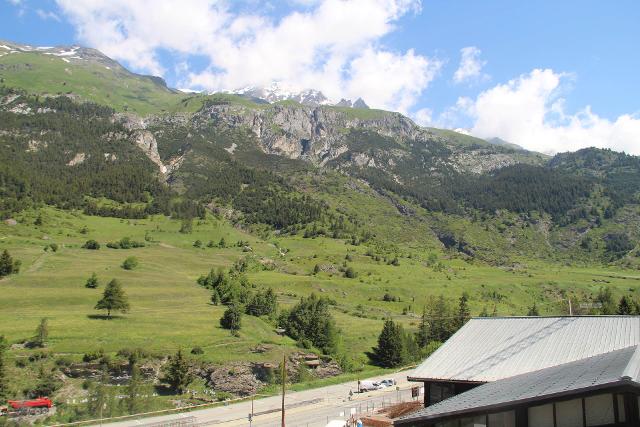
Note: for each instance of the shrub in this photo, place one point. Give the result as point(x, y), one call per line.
point(130, 263)
point(125, 243)
point(91, 244)
point(92, 282)
point(93, 356)
point(350, 273)
point(231, 319)
point(197, 350)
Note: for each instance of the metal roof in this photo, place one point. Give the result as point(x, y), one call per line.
point(596, 372)
point(489, 349)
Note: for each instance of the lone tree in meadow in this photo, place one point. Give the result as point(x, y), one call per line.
point(42, 333)
point(113, 299)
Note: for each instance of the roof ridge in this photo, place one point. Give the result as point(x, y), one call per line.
point(632, 371)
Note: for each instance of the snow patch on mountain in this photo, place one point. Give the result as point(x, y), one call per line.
point(279, 91)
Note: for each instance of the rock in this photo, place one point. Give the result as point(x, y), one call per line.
point(11, 222)
point(77, 159)
point(149, 146)
point(239, 378)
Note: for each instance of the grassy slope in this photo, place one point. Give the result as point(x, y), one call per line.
point(169, 310)
point(49, 74)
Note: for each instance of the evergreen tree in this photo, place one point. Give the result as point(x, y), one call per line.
point(423, 336)
point(464, 313)
point(626, 306)
point(134, 401)
point(178, 373)
point(113, 299)
point(231, 319)
point(310, 320)
point(47, 383)
point(99, 399)
point(533, 310)
point(605, 299)
point(262, 303)
point(7, 264)
point(42, 333)
point(390, 352)
point(4, 381)
point(92, 282)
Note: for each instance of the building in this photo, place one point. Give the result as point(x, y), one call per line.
point(534, 372)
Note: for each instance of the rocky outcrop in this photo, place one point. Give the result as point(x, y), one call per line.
point(77, 159)
point(149, 146)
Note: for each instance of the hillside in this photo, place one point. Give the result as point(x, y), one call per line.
point(363, 208)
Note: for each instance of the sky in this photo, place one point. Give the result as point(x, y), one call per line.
point(551, 76)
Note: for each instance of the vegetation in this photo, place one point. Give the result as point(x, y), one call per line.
point(177, 373)
point(113, 299)
point(92, 282)
point(8, 265)
point(311, 323)
point(232, 319)
point(4, 381)
point(42, 333)
point(130, 263)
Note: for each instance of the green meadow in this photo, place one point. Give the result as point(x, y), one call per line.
point(170, 311)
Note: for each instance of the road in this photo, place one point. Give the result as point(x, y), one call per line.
point(309, 408)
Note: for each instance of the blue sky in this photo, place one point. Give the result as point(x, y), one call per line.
point(549, 75)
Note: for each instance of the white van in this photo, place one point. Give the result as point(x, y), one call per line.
point(369, 386)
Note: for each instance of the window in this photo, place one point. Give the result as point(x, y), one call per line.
point(599, 410)
point(569, 413)
point(541, 416)
point(480, 421)
point(621, 414)
point(439, 392)
point(503, 419)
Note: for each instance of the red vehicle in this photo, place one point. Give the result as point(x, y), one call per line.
point(20, 408)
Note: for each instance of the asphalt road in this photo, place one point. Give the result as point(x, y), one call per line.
point(309, 408)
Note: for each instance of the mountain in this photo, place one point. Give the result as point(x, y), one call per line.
point(500, 141)
point(279, 92)
point(246, 149)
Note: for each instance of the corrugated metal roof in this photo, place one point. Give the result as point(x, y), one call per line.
point(563, 380)
point(489, 349)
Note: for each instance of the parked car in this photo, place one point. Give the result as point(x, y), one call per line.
point(388, 382)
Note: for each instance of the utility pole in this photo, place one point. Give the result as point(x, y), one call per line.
point(284, 379)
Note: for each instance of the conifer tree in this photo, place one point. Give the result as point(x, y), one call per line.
point(463, 311)
point(625, 306)
point(178, 373)
point(232, 319)
point(113, 299)
point(390, 352)
point(42, 333)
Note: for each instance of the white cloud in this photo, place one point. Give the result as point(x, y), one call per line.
point(331, 45)
point(46, 15)
point(471, 65)
point(530, 112)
